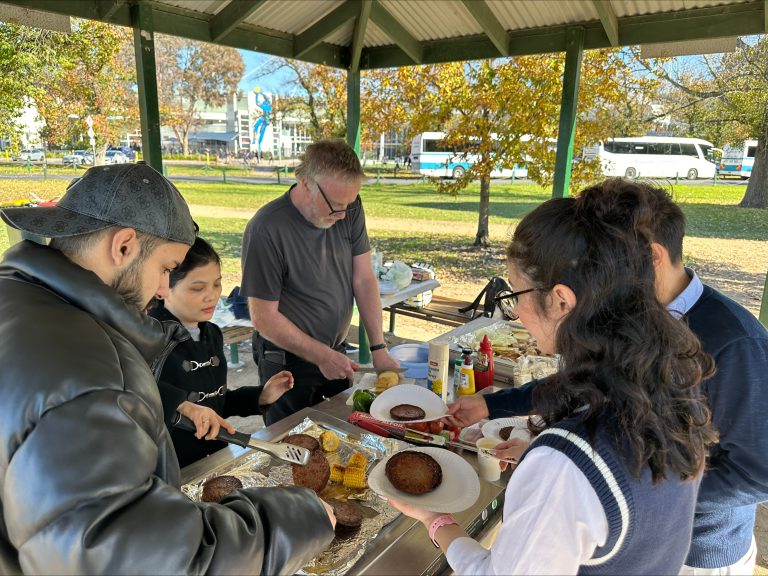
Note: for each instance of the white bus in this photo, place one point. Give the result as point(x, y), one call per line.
point(657, 157)
point(431, 157)
point(738, 160)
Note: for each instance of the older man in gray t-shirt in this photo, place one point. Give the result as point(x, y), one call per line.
point(305, 259)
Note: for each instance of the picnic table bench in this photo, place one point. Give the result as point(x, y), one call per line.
point(233, 335)
point(441, 310)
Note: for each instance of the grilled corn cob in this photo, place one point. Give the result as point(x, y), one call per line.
point(354, 477)
point(358, 460)
point(329, 440)
point(337, 473)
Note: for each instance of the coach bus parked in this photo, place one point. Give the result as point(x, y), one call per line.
point(431, 157)
point(657, 157)
point(738, 159)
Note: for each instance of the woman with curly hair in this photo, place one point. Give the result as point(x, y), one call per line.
point(609, 483)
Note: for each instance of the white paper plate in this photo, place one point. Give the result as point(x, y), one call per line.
point(387, 287)
point(492, 428)
point(425, 399)
point(459, 489)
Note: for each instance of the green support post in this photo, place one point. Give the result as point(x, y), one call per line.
point(278, 174)
point(378, 174)
point(29, 167)
point(353, 139)
point(45, 170)
point(224, 174)
point(677, 178)
point(764, 305)
point(142, 20)
point(567, 126)
point(513, 175)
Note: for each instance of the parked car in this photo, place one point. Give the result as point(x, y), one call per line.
point(78, 158)
point(33, 155)
point(129, 152)
point(115, 157)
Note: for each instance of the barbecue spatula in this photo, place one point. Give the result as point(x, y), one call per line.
point(285, 452)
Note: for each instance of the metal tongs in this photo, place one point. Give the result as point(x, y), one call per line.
point(285, 452)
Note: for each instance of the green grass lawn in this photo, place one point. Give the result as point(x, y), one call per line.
point(711, 212)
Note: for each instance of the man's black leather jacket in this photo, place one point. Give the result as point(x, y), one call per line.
point(89, 482)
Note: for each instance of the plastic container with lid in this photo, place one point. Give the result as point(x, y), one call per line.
point(413, 357)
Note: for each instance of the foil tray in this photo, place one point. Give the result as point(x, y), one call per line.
point(256, 469)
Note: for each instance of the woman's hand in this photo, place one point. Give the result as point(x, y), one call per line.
point(512, 449)
point(275, 387)
point(466, 411)
point(207, 421)
point(424, 516)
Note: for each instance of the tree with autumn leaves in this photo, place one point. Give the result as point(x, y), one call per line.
point(193, 73)
point(505, 112)
point(726, 98)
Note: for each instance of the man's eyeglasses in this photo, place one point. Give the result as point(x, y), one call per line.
point(350, 207)
point(507, 301)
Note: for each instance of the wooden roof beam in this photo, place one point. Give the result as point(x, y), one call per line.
point(320, 30)
point(359, 36)
point(608, 20)
point(399, 35)
point(490, 24)
point(107, 10)
point(230, 16)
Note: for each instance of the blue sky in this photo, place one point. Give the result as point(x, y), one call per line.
point(255, 61)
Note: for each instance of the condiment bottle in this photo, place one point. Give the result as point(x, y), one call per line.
point(484, 365)
point(467, 383)
point(437, 368)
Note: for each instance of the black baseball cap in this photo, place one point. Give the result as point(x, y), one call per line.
point(128, 195)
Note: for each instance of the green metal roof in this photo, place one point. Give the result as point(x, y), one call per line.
point(383, 33)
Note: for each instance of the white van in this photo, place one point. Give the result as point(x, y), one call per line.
point(657, 157)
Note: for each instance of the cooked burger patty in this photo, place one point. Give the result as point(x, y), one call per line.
point(303, 440)
point(505, 432)
point(406, 412)
point(348, 514)
point(215, 489)
point(315, 474)
point(413, 472)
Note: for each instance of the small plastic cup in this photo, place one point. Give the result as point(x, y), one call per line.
point(488, 466)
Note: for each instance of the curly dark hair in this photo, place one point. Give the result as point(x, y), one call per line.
point(633, 366)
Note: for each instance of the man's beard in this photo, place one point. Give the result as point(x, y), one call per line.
point(127, 283)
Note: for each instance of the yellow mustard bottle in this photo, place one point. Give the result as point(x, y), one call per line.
point(467, 382)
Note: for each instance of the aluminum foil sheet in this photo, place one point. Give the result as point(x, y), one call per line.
point(256, 469)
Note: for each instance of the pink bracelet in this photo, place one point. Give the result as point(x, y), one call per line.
point(438, 522)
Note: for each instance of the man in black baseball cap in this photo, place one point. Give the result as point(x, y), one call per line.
point(90, 479)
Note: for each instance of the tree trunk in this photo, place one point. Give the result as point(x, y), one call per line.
point(482, 238)
point(757, 189)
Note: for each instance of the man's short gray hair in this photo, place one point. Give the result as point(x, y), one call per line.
point(329, 158)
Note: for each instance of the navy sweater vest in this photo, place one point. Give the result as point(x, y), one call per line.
point(649, 527)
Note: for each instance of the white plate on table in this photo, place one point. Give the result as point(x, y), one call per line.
point(459, 489)
point(425, 399)
point(492, 428)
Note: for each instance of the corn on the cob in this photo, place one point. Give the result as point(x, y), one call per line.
point(358, 460)
point(337, 473)
point(354, 477)
point(329, 440)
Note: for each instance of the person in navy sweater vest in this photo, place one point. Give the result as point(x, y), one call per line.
point(609, 483)
point(736, 479)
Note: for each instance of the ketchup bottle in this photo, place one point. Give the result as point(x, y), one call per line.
point(484, 365)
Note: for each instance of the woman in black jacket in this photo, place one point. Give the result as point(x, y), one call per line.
point(194, 377)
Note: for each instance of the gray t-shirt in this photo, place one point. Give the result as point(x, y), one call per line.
point(307, 269)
